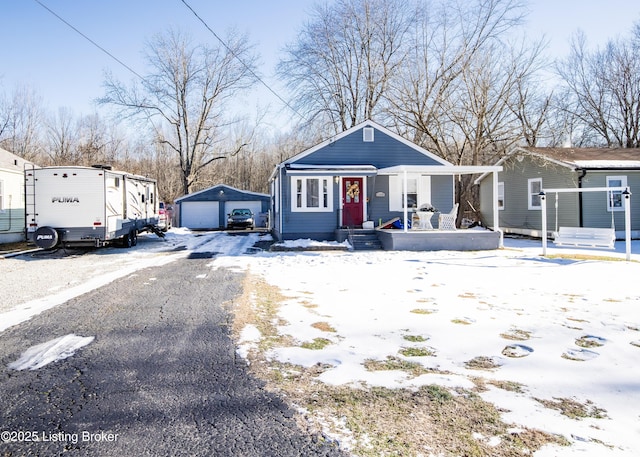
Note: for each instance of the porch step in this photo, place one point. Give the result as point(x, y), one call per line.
point(365, 241)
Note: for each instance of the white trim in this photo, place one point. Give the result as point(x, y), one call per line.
point(396, 192)
point(611, 191)
point(298, 166)
point(363, 197)
point(303, 194)
point(438, 169)
point(530, 194)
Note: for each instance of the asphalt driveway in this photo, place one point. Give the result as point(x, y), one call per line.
point(160, 378)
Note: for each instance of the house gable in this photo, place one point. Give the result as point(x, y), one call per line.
point(355, 147)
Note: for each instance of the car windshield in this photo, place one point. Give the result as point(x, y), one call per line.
point(241, 212)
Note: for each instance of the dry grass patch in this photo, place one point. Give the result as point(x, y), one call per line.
point(589, 341)
point(415, 338)
point(481, 363)
point(423, 311)
point(258, 305)
point(417, 352)
point(509, 386)
point(394, 363)
point(323, 326)
point(428, 421)
point(573, 408)
point(468, 295)
point(601, 258)
point(516, 335)
point(317, 344)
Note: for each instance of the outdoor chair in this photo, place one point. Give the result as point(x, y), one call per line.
point(447, 221)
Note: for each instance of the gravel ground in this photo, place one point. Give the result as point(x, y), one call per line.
point(40, 274)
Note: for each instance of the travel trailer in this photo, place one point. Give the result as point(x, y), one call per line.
point(76, 206)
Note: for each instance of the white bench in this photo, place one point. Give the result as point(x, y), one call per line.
point(585, 237)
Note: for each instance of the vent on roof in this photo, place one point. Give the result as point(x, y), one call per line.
point(367, 134)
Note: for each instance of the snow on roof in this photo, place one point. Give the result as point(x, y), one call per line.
point(589, 157)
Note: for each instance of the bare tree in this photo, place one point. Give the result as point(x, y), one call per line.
point(62, 138)
point(339, 68)
point(456, 94)
point(604, 89)
point(21, 118)
point(185, 94)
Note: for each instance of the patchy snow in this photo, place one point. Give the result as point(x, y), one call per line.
point(43, 354)
point(249, 339)
point(562, 328)
point(309, 243)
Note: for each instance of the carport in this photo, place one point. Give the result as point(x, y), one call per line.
point(208, 208)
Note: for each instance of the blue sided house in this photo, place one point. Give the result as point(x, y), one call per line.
point(368, 177)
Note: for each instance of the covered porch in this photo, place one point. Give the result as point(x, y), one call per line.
point(423, 236)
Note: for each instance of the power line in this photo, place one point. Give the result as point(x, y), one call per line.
point(101, 48)
point(89, 39)
point(249, 69)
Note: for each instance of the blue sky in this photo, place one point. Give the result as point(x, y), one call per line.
point(39, 51)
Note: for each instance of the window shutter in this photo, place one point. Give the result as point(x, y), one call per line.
point(395, 193)
point(424, 190)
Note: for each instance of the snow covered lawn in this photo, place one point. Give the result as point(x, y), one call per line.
point(566, 332)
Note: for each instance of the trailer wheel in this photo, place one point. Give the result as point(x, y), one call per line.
point(46, 237)
point(134, 238)
point(126, 241)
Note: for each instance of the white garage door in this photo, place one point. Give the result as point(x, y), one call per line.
point(254, 206)
point(200, 215)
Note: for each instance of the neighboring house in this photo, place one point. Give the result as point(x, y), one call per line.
point(526, 171)
point(208, 208)
point(360, 178)
point(12, 209)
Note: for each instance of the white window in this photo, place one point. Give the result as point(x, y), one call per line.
point(367, 134)
point(614, 198)
point(311, 194)
point(418, 191)
point(500, 195)
point(535, 187)
point(1, 195)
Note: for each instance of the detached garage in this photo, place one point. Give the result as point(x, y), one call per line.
point(208, 208)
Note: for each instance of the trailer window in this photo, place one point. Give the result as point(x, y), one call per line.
point(116, 182)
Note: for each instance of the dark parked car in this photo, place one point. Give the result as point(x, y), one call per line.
point(240, 218)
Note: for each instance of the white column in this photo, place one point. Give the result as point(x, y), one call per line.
point(627, 222)
point(543, 204)
point(496, 209)
point(406, 210)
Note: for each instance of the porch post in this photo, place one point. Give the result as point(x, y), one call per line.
point(496, 209)
point(406, 210)
point(543, 204)
point(627, 222)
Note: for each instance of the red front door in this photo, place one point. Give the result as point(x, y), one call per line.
point(352, 202)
